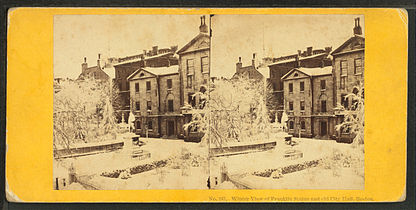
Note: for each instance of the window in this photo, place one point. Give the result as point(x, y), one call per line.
point(136, 87)
point(291, 106)
point(302, 86)
point(302, 105)
point(290, 87)
point(302, 125)
point(343, 74)
point(291, 125)
point(148, 86)
point(344, 68)
point(138, 125)
point(137, 105)
point(169, 83)
point(274, 86)
point(344, 101)
point(191, 99)
point(358, 67)
point(190, 66)
point(170, 105)
point(323, 84)
point(189, 81)
point(149, 105)
point(204, 64)
point(150, 124)
point(323, 106)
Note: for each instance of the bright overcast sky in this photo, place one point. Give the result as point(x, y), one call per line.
point(79, 36)
point(242, 35)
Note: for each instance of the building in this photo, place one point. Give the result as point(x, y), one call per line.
point(308, 102)
point(126, 66)
point(102, 71)
point(155, 101)
point(194, 73)
point(348, 65)
point(282, 65)
point(252, 71)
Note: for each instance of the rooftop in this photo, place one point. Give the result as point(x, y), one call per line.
point(300, 58)
point(316, 71)
point(157, 70)
point(145, 58)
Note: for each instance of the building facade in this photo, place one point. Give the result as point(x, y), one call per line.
point(97, 72)
point(126, 66)
point(251, 72)
point(348, 74)
point(155, 102)
point(308, 102)
point(194, 73)
point(282, 65)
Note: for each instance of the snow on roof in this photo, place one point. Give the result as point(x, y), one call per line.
point(139, 59)
point(157, 70)
point(110, 71)
point(294, 59)
point(265, 71)
point(163, 70)
point(316, 71)
point(311, 71)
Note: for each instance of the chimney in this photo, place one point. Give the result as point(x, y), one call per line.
point(99, 60)
point(297, 61)
point(308, 51)
point(84, 65)
point(357, 27)
point(203, 28)
point(299, 52)
point(144, 52)
point(328, 50)
point(253, 61)
point(174, 48)
point(238, 65)
point(154, 50)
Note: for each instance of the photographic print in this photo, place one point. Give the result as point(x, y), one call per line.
point(124, 88)
point(282, 108)
point(287, 103)
point(206, 105)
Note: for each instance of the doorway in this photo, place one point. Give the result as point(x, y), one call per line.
point(171, 128)
point(324, 128)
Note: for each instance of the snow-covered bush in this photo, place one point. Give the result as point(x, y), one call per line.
point(83, 112)
point(235, 112)
point(354, 114)
point(125, 175)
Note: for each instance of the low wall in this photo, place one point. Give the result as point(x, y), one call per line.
point(87, 150)
point(237, 149)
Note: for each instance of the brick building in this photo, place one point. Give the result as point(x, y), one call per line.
point(102, 71)
point(308, 102)
point(126, 66)
point(253, 71)
point(194, 73)
point(309, 59)
point(348, 65)
point(155, 101)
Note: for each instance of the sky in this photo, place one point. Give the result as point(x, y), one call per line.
point(242, 35)
point(79, 36)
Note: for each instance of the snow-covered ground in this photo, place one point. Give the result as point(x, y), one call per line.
point(311, 178)
point(242, 166)
point(160, 149)
point(312, 149)
point(195, 177)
